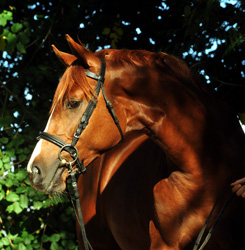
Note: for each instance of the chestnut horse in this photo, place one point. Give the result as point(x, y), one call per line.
point(182, 148)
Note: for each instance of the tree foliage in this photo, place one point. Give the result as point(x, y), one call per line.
point(208, 34)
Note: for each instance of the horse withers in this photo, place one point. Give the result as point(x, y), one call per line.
point(197, 151)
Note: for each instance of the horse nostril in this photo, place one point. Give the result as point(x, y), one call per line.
point(36, 170)
point(35, 175)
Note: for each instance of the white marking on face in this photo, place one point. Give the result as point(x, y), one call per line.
point(36, 152)
point(37, 149)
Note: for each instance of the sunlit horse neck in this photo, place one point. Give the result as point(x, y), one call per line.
point(155, 94)
point(159, 95)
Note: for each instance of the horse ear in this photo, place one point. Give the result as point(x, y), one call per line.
point(85, 56)
point(65, 58)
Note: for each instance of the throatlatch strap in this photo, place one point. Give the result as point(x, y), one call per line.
point(112, 112)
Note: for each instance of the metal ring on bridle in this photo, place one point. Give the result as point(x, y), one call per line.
point(73, 155)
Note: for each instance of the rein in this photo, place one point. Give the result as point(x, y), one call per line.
point(71, 148)
point(210, 232)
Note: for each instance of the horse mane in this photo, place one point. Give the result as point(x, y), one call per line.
point(166, 63)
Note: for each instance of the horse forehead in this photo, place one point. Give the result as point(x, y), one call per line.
point(75, 91)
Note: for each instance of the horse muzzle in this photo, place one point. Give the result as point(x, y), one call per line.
point(44, 180)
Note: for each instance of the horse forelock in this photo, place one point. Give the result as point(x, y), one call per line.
point(73, 76)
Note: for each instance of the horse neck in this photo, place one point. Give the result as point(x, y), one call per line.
point(183, 121)
point(156, 103)
point(113, 159)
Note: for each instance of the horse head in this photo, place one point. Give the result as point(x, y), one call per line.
point(76, 92)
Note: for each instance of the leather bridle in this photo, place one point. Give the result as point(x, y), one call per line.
point(71, 148)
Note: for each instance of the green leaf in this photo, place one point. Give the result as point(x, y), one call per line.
point(31, 193)
point(28, 238)
point(21, 47)
point(21, 174)
point(68, 244)
point(12, 197)
point(11, 42)
point(16, 27)
point(8, 15)
point(37, 205)
point(6, 159)
point(29, 247)
point(27, 181)
point(5, 241)
point(5, 32)
point(63, 235)
point(3, 21)
point(8, 182)
point(16, 141)
point(1, 165)
point(21, 246)
point(11, 38)
point(54, 237)
point(12, 236)
point(10, 152)
point(7, 166)
point(17, 240)
point(4, 140)
point(10, 208)
point(22, 157)
point(45, 238)
point(5, 16)
point(19, 151)
point(21, 190)
point(55, 246)
point(16, 208)
point(2, 194)
point(36, 245)
point(24, 36)
point(24, 201)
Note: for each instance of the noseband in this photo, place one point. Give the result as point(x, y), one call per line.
point(71, 148)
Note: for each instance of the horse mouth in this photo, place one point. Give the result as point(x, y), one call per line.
point(56, 185)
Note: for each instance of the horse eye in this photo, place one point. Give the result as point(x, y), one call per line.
point(72, 104)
